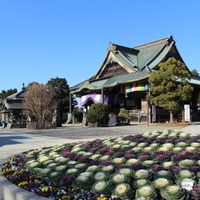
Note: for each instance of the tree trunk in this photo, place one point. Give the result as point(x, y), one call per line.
point(171, 117)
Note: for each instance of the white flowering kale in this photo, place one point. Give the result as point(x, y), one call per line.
point(146, 191)
point(174, 192)
point(122, 189)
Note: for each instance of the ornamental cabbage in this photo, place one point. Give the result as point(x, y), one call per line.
point(142, 144)
point(72, 171)
point(105, 157)
point(119, 160)
point(131, 161)
point(161, 183)
point(142, 174)
point(137, 149)
point(186, 163)
point(72, 163)
point(108, 169)
point(168, 164)
point(119, 178)
point(48, 162)
point(44, 172)
point(60, 168)
point(181, 144)
point(95, 156)
point(195, 144)
point(173, 192)
point(147, 192)
point(141, 182)
point(82, 182)
point(190, 149)
point(93, 168)
point(177, 149)
point(125, 171)
point(101, 187)
point(163, 174)
point(52, 165)
point(182, 174)
point(148, 149)
point(168, 145)
point(100, 176)
point(122, 189)
point(148, 163)
point(55, 176)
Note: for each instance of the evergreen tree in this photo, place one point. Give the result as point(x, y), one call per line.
point(195, 73)
point(169, 86)
point(62, 96)
point(4, 94)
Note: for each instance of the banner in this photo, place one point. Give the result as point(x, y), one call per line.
point(187, 112)
point(135, 87)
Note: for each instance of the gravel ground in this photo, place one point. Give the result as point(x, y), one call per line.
point(83, 132)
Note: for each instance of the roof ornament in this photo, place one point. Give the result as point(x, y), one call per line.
point(148, 69)
point(23, 87)
point(112, 47)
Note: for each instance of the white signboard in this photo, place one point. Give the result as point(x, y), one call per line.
point(187, 185)
point(187, 112)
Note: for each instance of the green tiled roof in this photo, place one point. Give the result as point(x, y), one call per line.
point(146, 55)
point(110, 82)
point(138, 62)
point(195, 80)
point(15, 106)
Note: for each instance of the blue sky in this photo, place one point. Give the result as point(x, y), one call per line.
point(44, 39)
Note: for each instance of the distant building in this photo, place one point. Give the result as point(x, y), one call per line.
point(12, 110)
point(122, 80)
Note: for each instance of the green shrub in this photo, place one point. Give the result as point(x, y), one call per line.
point(123, 116)
point(98, 113)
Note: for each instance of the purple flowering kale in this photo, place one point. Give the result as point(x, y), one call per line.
point(106, 163)
point(175, 169)
point(157, 168)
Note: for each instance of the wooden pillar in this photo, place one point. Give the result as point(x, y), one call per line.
point(102, 95)
point(70, 102)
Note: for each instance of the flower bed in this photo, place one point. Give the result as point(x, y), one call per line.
point(156, 165)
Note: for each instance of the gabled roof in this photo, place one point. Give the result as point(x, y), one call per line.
point(18, 95)
point(137, 62)
point(16, 100)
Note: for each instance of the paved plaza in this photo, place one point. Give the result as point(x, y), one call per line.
point(14, 141)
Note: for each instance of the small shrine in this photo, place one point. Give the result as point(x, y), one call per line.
point(13, 108)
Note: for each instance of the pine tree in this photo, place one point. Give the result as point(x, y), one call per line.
point(170, 86)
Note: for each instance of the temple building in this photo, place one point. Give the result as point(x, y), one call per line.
point(12, 110)
point(122, 80)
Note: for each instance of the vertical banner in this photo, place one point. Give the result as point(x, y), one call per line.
point(153, 113)
point(187, 112)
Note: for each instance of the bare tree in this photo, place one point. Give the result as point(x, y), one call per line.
point(41, 103)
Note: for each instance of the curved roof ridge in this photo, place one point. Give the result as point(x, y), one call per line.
point(156, 42)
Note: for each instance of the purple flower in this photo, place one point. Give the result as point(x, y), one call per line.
point(160, 157)
point(143, 157)
point(128, 156)
point(130, 151)
point(120, 166)
point(106, 163)
point(157, 168)
point(155, 153)
point(110, 153)
point(194, 169)
point(175, 169)
point(197, 189)
point(84, 159)
point(169, 153)
point(136, 166)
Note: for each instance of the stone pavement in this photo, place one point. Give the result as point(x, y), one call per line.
point(14, 141)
